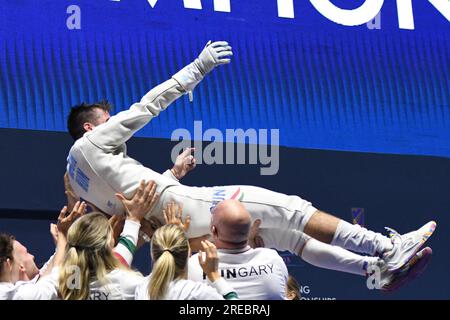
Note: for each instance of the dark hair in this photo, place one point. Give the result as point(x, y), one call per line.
point(6, 248)
point(82, 113)
point(293, 287)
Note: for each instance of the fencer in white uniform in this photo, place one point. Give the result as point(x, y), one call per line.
point(99, 167)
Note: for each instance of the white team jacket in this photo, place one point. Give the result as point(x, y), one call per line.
point(39, 288)
point(255, 274)
point(119, 284)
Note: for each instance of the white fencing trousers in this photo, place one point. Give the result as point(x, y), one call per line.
point(276, 210)
point(284, 240)
point(317, 253)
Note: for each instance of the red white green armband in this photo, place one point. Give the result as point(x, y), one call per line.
point(126, 247)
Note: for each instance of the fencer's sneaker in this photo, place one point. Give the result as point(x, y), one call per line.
point(415, 267)
point(406, 246)
point(380, 278)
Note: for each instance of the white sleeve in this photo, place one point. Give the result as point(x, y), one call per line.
point(224, 289)
point(45, 266)
point(169, 174)
point(121, 127)
point(217, 290)
point(195, 271)
point(45, 289)
point(126, 247)
point(204, 292)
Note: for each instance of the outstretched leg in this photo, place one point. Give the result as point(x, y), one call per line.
point(332, 230)
point(316, 252)
point(284, 212)
point(396, 250)
point(330, 257)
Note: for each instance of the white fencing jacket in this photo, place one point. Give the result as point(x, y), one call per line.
point(98, 164)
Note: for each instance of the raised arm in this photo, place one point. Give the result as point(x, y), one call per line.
point(121, 127)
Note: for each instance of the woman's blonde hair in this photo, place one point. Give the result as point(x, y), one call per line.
point(170, 251)
point(89, 256)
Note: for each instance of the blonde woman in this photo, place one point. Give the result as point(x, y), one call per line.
point(90, 269)
point(93, 269)
point(170, 252)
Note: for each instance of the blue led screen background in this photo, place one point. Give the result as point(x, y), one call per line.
point(324, 85)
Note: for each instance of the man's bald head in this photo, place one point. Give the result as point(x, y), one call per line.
point(230, 223)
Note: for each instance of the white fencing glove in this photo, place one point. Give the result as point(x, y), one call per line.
point(213, 55)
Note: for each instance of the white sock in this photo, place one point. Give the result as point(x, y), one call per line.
point(331, 257)
point(356, 238)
